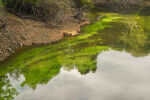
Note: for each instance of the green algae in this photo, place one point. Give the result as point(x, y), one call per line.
point(113, 31)
point(34, 63)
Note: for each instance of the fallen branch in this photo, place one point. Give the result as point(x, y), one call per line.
point(100, 17)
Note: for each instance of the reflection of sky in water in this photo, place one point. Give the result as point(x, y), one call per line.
point(119, 77)
point(16, 83)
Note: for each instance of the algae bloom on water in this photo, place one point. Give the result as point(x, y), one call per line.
point(39, 65)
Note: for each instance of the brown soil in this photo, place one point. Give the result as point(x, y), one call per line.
point(26, 32)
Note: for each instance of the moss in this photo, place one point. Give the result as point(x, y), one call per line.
point(83, 59)
point(118, 32)
point(39, 65)
point(41, 72)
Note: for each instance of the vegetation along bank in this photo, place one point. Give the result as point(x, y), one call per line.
point(31, 22)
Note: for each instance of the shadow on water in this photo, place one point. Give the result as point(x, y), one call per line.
point(38, 65)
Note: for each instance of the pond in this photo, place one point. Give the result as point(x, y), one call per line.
point(109, 60)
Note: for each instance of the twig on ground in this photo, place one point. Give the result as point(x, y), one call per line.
point(3, 24)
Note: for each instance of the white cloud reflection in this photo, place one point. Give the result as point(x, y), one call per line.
point(119, 77)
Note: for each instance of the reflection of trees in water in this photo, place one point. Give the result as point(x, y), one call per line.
point(7, 91)
point(127, 35)
point(40, 72)
point(40, 65)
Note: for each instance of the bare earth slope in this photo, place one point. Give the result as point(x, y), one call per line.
point(25, 32)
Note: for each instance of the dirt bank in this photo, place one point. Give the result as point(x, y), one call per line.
point(26, 32)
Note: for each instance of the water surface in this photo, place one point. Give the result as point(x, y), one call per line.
point(108, 61)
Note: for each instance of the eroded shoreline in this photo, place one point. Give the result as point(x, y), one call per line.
point(26, 32)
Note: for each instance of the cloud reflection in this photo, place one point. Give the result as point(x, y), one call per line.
point(119, 77)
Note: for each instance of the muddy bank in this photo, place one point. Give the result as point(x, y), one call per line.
point(26, 32)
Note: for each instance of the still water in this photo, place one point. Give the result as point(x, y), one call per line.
point(119, 76)
point(110, 60)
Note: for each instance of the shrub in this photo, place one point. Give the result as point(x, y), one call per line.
point(51, 11)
